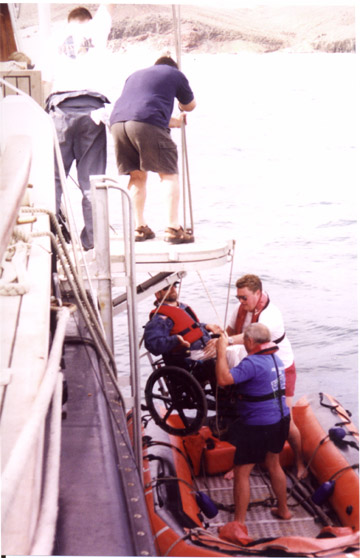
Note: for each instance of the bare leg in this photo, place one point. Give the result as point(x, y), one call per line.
point(295, 443)
point(278, 483)
point(242, 490)
point(171, 183)
point(137, 187)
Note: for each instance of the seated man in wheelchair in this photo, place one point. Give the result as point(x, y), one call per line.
point(174, 332)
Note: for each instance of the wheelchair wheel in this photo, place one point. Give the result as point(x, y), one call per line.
point(172, 392)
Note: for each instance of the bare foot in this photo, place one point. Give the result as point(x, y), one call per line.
point(229, 475)
point(276, 513)
point(302, 471)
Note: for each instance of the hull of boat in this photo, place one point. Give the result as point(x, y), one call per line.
point(31, 385)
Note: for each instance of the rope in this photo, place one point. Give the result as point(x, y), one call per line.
point(44, 537)
point(209, 297)
point(182, 453)
point(229, 285)
point(14, 289)
point(90, 317)
point(15, 284)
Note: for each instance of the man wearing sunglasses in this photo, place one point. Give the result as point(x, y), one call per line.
point(175, 332)
point(255, 306)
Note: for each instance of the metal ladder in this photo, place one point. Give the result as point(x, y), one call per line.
point(109, 306)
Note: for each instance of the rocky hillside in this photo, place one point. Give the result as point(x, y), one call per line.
point(259, 29)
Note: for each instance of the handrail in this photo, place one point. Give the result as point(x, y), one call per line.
point(45, 529)
point(20, 453)
point(100, 186)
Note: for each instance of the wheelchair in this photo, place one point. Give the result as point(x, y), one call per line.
point(172, 391)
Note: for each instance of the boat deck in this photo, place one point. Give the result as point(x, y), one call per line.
point(101, 509)
point(307, 519)
point(260, 521)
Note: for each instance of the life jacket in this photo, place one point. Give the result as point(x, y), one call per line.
point(263, 303)
point(267, 348)
point(264, 349)
point(185, 321)
point(241, 315)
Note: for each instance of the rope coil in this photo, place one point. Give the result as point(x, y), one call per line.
point(13, 281)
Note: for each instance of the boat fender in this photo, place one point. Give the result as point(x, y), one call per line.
point(337, 434)
point(323, 493)
point(207, 506)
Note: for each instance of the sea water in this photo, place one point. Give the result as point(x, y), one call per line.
point(272, 158)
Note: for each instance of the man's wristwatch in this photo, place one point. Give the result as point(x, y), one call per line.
point(230, 340)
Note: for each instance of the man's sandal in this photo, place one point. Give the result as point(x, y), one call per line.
point(178, 236)
point(143, 233)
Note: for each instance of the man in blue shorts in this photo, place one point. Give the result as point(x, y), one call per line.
point(140, 125)
point(262, 426)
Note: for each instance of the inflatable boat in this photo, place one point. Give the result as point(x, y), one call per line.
point(190, 498)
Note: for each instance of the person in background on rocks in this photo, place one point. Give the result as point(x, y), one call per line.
point(78, 76)
point(262, 424)
point(140, 123)
point(255, 306)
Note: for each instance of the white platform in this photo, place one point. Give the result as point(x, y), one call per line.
point(157, 255)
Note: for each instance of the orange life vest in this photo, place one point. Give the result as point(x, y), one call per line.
point(185, 321)
point(241, 315)
point(267, 348)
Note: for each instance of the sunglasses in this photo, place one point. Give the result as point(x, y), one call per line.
point(240, 297)
point(176, 284)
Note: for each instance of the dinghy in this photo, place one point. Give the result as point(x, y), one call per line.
point(190, 501)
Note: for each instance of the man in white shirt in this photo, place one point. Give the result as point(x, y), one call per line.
point(255, 306)
point(78, 66)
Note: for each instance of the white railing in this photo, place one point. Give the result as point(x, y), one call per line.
point(100, 186)
point(48, 399)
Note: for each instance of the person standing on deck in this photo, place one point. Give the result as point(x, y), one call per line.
point(78, 76)
point(262, 426)
point(140, 123)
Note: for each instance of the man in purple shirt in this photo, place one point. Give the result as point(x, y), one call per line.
point(140, 124)
point(262, 426)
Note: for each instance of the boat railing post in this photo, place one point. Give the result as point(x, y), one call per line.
point(100, 186)
point(131, 303)
point(100, 210)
